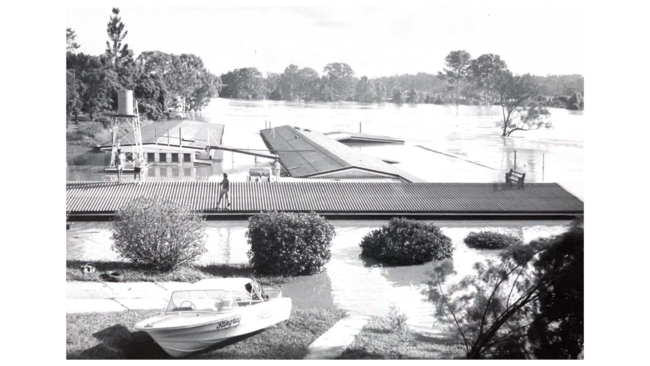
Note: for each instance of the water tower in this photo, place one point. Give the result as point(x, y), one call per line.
point(126, 120)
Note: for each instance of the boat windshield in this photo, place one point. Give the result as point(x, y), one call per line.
point(201, 300)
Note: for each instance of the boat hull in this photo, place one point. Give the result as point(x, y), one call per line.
point(179, 340)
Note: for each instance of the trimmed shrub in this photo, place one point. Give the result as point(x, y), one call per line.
point(405, 242)
point(491, 240)
point(289, 243)
point(158, 233)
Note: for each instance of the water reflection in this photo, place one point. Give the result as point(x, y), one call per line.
point(350, 283)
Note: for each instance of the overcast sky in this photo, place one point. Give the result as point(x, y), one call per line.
point(373, 41)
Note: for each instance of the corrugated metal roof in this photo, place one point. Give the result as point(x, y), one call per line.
point(311, 154)
point(193, 133)
point(331, 197)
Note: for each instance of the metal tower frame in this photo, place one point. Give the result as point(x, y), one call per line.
point(134, 122)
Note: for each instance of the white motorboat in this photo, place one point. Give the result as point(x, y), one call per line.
point(213, 311)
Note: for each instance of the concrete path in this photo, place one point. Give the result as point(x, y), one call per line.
point(333, 342)
point(86, 297)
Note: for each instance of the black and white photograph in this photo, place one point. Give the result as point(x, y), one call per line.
point(330, 181)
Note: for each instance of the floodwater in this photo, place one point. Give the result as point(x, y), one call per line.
point(349, 282)
point(467, 144)
point(467, 147)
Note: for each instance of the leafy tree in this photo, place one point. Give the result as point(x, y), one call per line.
point(191, 83)
point(161, 64)
point(397, 96)
point(421, 82)
point(93, 82)
point(561, 84)
point(289, 83)
point(380, 91)
point(116, 34)
point(70, 37)
point(339, 81)
point(246, 83)
point(208, 88)
point(307, 78)
point(271, 84)
point(558, 327)
point(458, 67)
point(150, 93)
point(493, 311)
point(519, 110)
point(413, 97)
point(365, 91)
point(71, 100)
point(483, 72)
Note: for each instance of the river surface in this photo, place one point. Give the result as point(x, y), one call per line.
point(467, 144)
point(348, 282)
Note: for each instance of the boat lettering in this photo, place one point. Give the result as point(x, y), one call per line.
point(265, 314)
point(228, 323)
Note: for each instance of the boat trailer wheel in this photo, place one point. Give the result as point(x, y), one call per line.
point(189, 302)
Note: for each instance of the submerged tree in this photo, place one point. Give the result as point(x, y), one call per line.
point(519, 110)
point(413, 97)
point(365, 91)
point(246, 83)
point(339, 78)
point(494, 312)
point(397, 96)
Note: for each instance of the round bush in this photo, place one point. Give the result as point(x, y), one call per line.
point(491, 240)
point(289, 243)
point(406, 242)
point(158, 233)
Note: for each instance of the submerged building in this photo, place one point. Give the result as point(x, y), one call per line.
point(174, 142)
point(311, 154)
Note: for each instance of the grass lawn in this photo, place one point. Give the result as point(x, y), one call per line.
point(111, 335)
point(138, 273)
point(377, 340)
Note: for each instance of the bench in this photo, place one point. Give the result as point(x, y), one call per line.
point(514, 176)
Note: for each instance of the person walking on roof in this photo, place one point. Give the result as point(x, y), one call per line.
point(276, 170)
point(225, 187)
point(138, 163)
point(120, 160)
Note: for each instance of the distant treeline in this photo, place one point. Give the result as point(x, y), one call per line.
point(339, 83)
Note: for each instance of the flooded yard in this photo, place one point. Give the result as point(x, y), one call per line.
point(349, 282)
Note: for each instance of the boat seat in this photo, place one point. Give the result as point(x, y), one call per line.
point(225, 305)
